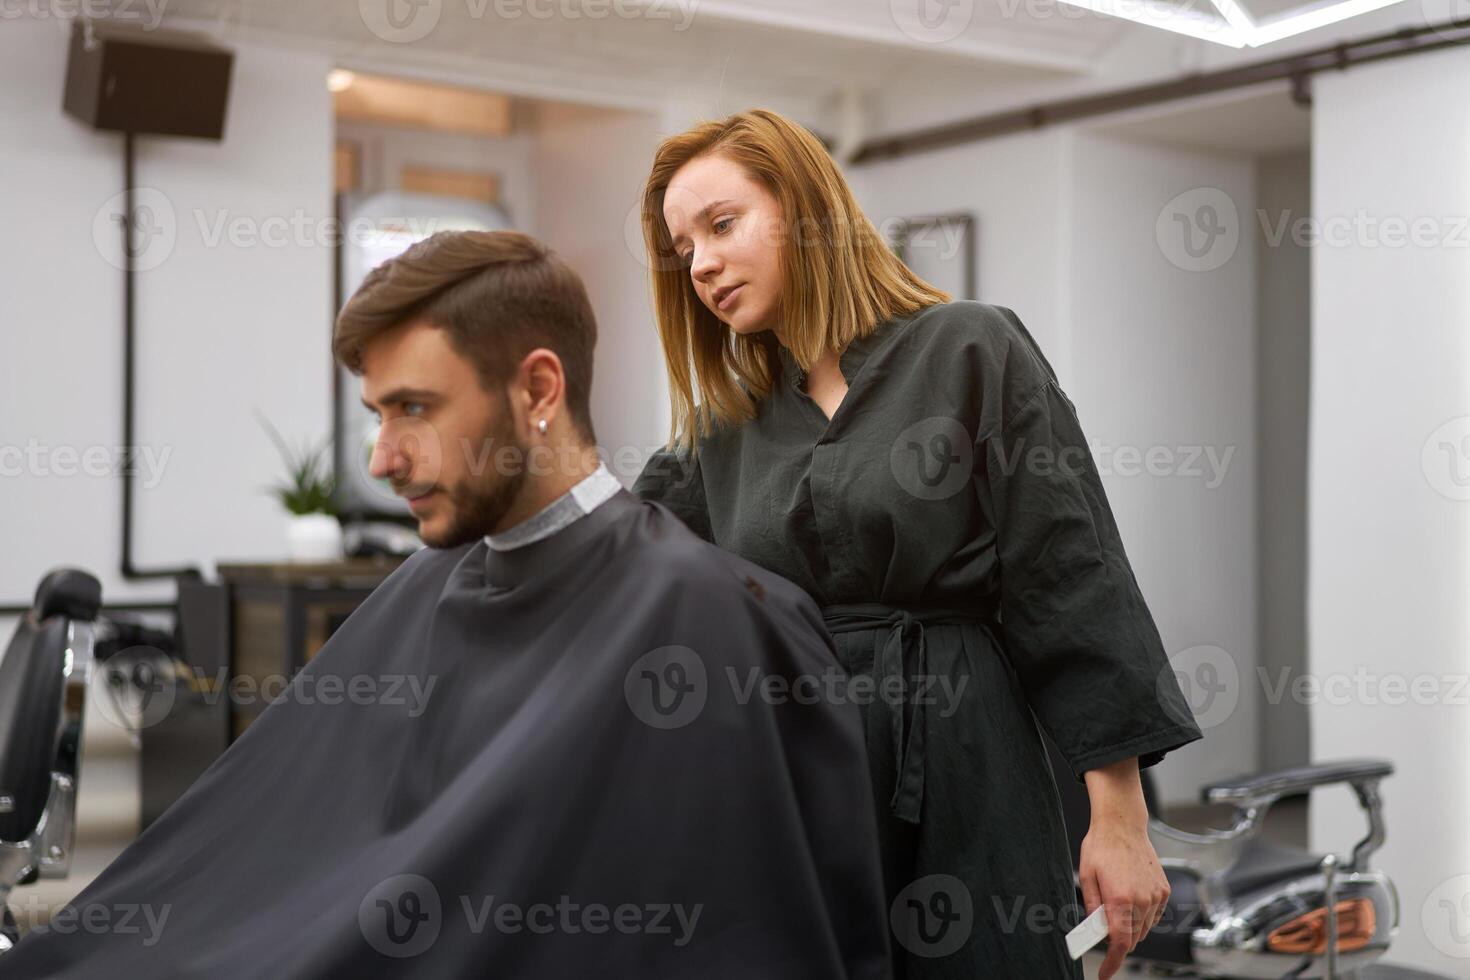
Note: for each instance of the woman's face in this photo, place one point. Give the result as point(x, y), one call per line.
point(728, 228)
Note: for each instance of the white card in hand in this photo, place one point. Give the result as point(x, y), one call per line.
point(1089, 932)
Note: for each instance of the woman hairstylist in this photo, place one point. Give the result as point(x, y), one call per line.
point(912, 464)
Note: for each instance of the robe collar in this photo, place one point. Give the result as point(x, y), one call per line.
point(851, 361)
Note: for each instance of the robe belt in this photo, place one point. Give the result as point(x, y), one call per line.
point(905, 642)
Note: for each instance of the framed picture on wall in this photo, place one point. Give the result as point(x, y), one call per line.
point(940, 248)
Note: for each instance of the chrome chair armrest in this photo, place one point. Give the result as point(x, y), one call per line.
point(1262, 790)
point(55, 836)
point(1203, 854)
point(1290, 782)
point(1207, 856)
point(55, 839)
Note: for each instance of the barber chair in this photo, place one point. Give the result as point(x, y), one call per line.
point(43, 691)
point(1245, 907)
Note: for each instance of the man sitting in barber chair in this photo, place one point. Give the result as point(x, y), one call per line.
point(583, 793)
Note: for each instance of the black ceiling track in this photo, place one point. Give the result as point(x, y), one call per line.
point(1296, 68)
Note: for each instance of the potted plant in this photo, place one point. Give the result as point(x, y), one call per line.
point(314, 534)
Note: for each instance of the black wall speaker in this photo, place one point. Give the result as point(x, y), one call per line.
point(149, 82)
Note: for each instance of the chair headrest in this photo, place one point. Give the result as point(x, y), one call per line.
point(68, 592)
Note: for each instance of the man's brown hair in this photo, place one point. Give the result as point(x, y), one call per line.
point(498, 295)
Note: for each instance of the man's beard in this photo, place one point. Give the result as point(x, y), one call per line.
point(478, 503)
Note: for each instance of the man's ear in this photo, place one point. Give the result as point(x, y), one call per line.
point(542, 385)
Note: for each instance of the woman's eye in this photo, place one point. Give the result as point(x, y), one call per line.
point(722, 221)
point(408, 406)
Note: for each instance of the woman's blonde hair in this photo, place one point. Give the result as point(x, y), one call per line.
point(839, 285)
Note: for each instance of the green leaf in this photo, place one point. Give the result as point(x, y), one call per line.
point(311, 483)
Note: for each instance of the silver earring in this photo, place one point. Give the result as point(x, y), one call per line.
point(541, 426)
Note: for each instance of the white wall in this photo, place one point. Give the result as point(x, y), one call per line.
point(1163, 363)
point(220, 327)
point(1014, 187)
point(1390, 521)
point(591, 165)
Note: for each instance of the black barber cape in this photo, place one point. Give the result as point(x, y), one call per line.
point(612, 768)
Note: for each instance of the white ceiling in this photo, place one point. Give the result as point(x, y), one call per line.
point(799, 56)
point(742, 51)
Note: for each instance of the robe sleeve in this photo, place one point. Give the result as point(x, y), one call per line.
point(672, 477)
point(1075, 625)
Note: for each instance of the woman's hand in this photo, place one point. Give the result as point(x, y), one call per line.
point(1118, 867)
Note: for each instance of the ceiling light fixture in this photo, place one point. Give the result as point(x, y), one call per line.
point(1156, 13)
point(1234, 27)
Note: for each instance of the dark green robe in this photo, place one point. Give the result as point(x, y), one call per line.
point(951, 523)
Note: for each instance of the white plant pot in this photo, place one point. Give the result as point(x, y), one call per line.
point(313, 537)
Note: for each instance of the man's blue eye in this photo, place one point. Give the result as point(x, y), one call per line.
point(411, 405)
